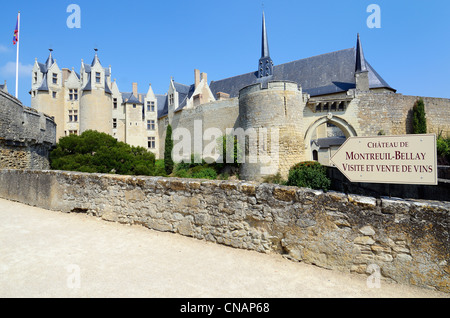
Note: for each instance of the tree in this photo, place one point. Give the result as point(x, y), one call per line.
point(419, 118)
point(168, 147)
point(96, 152)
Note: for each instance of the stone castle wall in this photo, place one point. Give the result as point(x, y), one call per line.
point(26, 136)
point(220, 114)
point(407, 241)
point(392, 114)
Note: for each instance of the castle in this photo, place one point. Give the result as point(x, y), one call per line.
point(313, 103)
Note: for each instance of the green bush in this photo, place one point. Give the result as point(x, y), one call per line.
point(204, 173)
point(443, 147)
point(419, 118)
point(309, 174)
point(96, 152)
point(196, 172)
point(159, 168)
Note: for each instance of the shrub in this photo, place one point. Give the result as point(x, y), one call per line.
point(443, 147)
point(159, 168)
point(204, 173)
point(96, 152)
point(309, 174)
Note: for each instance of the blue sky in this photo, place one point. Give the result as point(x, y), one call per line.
point(150, 41)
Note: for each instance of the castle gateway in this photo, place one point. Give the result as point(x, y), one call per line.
point(314, 104)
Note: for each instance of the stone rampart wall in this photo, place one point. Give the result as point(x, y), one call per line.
point(392, 114)
point(26, 136)
point(407, 240)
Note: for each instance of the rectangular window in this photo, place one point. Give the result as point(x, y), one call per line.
point(171, 99)
point(151, 125)
point(134, 105)
point(97, 77)
point(114, 123)
point(54, 94)
point(150, 106)
point(35, 78)
point(55, 78)
point(75, 116)
point(151, 142)
point(115, 103)
point(73, 94)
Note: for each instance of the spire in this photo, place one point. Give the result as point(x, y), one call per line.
point(265, 67)
point(95, 58)
point(50, 61)
point(265, 41)
point(360, 60)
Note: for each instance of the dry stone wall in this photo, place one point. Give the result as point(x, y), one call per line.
point(407, 240)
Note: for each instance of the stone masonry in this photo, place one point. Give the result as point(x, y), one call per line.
point(26, 136)
point(408, 241)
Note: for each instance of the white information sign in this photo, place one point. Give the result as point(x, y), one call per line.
point(409, 159)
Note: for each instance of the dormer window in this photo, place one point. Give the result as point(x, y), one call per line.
point(171, 99)
point(55, 78)
point(97, 77)
point(35, 77)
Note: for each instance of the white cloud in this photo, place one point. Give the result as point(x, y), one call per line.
point(9, 69)
point(3, 49)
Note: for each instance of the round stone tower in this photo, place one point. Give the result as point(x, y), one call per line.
point(96, 99)
point(272, 120)
point(96, 111)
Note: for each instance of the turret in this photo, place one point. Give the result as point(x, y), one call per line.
point(96, 100)
point(265, 67)
point(361, 70)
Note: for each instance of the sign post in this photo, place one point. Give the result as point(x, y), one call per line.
point(409, 159)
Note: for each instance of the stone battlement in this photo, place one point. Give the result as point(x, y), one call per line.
point(272, 85)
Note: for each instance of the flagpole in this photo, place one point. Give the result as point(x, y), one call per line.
point(17, 58)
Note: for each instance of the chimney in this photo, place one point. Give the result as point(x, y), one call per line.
point(197, 77)
point(135, 90)
point(222, 96)
point(65, 74)
point(204, 76)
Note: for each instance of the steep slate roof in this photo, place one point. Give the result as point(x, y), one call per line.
point(88, 70)
point(163, 109)
point(44, 70)
point(319, 75)
point(129, 98)
point(184, 93)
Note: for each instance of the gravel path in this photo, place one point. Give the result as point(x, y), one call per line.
point(52, 254)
